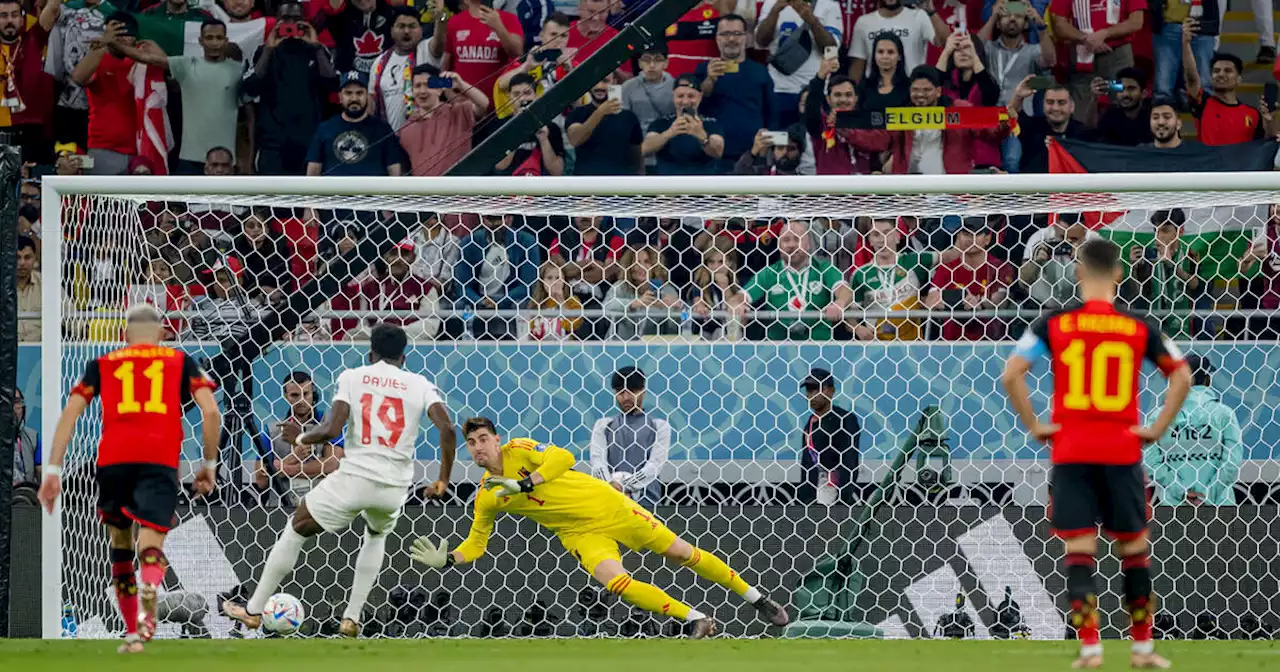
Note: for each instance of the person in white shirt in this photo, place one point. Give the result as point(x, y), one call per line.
point(819, 24)
point(373, 479)
point(630, 449)
point(391, 75)
point(917, 28)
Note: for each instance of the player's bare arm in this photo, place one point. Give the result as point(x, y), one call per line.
point(210, 433)
point(1015, 385)
point(326, 431)
point(51, 487)
point(439, 415)
point(1179, 386)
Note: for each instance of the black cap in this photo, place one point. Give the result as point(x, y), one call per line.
point(1199, 365)
point(353, 77)
point(817, 379)
point(628, 378)
point(691, 81)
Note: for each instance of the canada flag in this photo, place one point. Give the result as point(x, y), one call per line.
point(369, 45)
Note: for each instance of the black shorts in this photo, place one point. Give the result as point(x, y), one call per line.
point(1083, 496)
point(146, 494)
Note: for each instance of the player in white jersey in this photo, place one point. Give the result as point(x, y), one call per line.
point(374, 476)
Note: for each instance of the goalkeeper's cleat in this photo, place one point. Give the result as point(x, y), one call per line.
point(132, 644)
point(349, 629)
point(147, 611)
point(1149, 661)
point(702, 628)
point(771, 611)
point(1087, 663)
point(237, 612)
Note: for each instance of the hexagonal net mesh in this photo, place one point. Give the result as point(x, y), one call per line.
point(521, 306)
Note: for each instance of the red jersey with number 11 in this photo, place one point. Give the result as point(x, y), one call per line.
point(143, 390)
point(1097, 353)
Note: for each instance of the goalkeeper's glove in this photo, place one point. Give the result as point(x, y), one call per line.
point(506, 487)
point(431, 555)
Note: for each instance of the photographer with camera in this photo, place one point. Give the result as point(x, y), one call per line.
point(445, 110)
point(768, 156)
point(1035, 130)
point(1162, 275)
point(546, 63)
point(543, 152)
point(839, 151)
point(685, 143)
point(737, 91)
point(1126, 120)
point(1049, 272)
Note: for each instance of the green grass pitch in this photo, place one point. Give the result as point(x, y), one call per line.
point(614, 656)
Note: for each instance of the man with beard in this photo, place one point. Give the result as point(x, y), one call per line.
point(392, 74)
point(1166, 125)
point(767, 158)
point(937, 151)
point(1127, 120)
point(607, 137)
point(799, 282)
point(838, 151)
point(975, 280)
point(736, 91)
point(685, 143)
point(629, 450)
point(1035, 130)
point(26, 102)
point(1221, 118)
point(1011, 58)
point(361, 32)
point(438, 132)
point(113, 112)
point(917, 27)
point(354, 143)
point(400, 290)
point(291, 78)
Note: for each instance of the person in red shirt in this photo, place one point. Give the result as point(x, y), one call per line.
point(107, 76)
point(1099, 43)
point(1221, 119)
point(590, 32)
point(399, 289)
point(26, 101)
point(479, 42)
point(692, 38)
point(973, 281)
point(1096, 354)
point(144, 388)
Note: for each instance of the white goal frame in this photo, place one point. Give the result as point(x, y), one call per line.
point(1216, 187)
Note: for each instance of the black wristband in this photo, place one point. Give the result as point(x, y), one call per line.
point(449, 561)
point(526, 484)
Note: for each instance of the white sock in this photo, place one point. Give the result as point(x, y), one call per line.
point(1144, 648)
point(752, 595)
point(1089, 651)
point(368, 565)
point(694, 615)
point(282, 559)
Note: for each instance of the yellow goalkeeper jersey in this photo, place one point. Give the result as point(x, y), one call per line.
point(567, 500)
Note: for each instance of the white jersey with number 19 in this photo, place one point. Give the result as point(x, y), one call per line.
point(387, 404)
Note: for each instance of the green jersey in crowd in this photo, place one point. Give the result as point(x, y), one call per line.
point(785, 288)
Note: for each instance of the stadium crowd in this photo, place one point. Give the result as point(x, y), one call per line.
point(400, 87)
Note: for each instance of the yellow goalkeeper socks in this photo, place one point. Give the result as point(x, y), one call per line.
point(650, 598)
point(714, 569)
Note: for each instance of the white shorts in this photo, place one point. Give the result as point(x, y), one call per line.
point(340, 497)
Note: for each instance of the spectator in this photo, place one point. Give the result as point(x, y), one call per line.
point(441, 120)
point(629, 450)
point(1056, 232)
point(591, 31)
point(224, 310)
point(550, 293)
point(533, 15)
point(839, 151)
point(542, 154)
point(218, 162)
point(1221, 119)
point(70, 160)
point(265, 256)
point(391, 74)
point(1162, 276)
point(1013, 58)
point(1049, 271)
point(164, 289)
point(1035, 130)
point(966, 78)
point(200, 256)
point(641, 303)
point(479, 42)
point(436, 253)
point(26, 446)
point(26, 103)
point(692, 38)
point(935, 152)
point(1261, 262)
point(649, 96)
point(291, 78)
point(298, 468)
point(1099, 42)
point(798, 282)
point(499, 267)
point(887, 85)
point(685, 143)
point(715, 288)
point(1127, 120)
point(78, 25)
point(1168, 17)
point(29, 193)
point(916, 28)
point(586, 255)
point(767, 158)
point(831, 445)
point(29, 223)
point(546, 64)
point(400, 290)
point(353, 143)
point(834, 240)
point(607, 137)
point(798, 34)
point(737, 92)
point(974, 281)
point(210, 87)
point(29, 287)
point(1166, 125)
point(1198, 461)
point(361, 30)
point(893, 280)
point(177, 10)
point(113, 111)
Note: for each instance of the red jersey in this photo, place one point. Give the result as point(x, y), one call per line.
point(992, 276)
point(692, 39)
point(477, 53)
point(143, 390)
point(1097, 354)
point(1219, 123)
point(113, 112)
point(587, 47)
point(1097, 18)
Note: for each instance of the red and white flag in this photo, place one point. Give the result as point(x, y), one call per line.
point(155, 137)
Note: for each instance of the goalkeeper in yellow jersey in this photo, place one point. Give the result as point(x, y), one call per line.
point(537, 481)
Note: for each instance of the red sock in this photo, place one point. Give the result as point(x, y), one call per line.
point(126, 585)
point(154, 565)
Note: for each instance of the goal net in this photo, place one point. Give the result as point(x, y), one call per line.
point(925, 517)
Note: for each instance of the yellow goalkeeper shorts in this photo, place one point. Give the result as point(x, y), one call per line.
point(632, 525)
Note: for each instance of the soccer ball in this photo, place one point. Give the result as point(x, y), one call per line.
point(282, 614)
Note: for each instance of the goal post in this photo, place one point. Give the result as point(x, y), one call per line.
point(964, 518)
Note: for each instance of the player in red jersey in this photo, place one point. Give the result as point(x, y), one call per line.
point(143, 387)
point(1096, 353)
